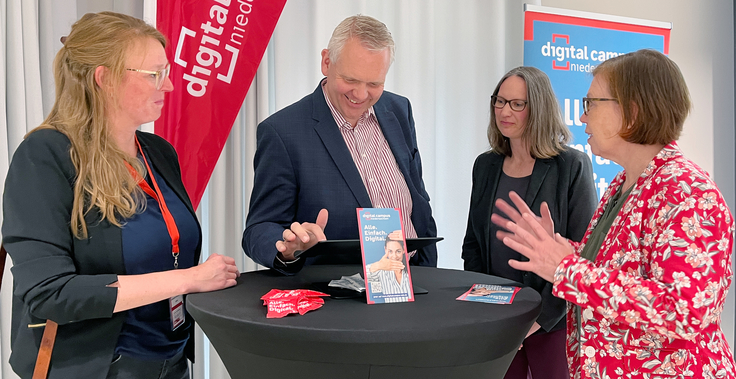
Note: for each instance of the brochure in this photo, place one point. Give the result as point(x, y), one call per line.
point(385, 260)
point(490, 293)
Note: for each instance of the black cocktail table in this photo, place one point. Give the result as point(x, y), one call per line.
point(435, 336)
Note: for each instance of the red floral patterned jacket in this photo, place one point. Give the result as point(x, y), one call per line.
point(650, 304)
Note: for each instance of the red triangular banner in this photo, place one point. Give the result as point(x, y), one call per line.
point(214, 49)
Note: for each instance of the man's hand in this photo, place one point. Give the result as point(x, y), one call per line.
point(302, 236)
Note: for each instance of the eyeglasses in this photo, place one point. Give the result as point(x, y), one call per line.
point(516, 105)
point(588, 100)
point(159, 75)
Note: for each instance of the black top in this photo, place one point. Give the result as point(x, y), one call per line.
point(147, 333)
point(565, 182)
point(501, 252)
point(610, 212)
point(57, 276)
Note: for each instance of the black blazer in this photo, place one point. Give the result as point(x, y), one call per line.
point(565, 182)
point(303, 165)
point(57, 276)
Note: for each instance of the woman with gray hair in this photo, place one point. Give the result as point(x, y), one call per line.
point(528, 156)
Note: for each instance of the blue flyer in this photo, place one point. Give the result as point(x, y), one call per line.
point(385, 262)
point(490, 293)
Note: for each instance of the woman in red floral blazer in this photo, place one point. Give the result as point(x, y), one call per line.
point(647, 283)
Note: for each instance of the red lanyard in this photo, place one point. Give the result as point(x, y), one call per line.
point(159, 197)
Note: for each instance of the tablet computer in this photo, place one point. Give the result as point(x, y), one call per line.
point(353, 246)
point(339, 293)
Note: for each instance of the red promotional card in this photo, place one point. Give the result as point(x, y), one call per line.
point(282, 303)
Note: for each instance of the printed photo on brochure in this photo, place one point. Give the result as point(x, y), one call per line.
point(490, 293)
point(385, 264)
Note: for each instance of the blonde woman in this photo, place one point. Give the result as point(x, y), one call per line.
point(102, 234)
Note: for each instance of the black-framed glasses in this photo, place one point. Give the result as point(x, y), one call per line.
point(516, 105)
point(588, 100)
point(159, 75)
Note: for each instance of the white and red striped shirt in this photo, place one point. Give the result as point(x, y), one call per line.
point(375, 161)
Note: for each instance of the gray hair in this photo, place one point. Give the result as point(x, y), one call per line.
point(545, 132)
point(371, 33)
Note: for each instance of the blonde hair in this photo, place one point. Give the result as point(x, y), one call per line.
point(371, 33)
point(545, 132)
point(103, 179)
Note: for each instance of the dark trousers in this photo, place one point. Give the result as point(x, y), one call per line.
point(124, 367)
point(542, 355)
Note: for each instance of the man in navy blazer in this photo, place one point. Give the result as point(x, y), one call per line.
point(304, 169)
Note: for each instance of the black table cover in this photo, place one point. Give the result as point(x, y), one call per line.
point(435, 336)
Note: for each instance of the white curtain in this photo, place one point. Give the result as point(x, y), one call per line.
point(27, 48)
point(449, 57)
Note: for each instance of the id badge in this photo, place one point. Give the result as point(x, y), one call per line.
point(176, 308)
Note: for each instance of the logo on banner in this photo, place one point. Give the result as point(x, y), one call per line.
point(567, 46)
point(212, 52)
point(216, 47)
point(567, 57)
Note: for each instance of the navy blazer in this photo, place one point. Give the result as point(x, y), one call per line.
point(59, 277)
point(302, 165)
point(565, 182)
